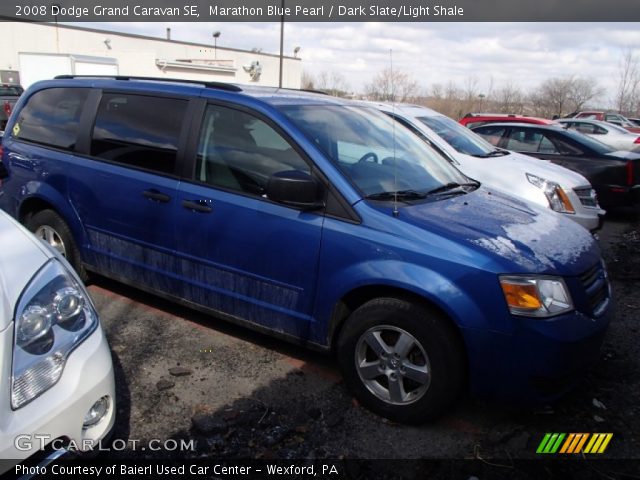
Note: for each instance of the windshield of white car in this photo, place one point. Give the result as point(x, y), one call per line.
point(378, 155)
point(458, 136)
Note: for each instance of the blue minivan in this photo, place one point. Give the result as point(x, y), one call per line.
point(316, 220)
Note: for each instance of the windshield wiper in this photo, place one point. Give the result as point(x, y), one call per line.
point(401, 195)
point(494, 153)
point(449, 187)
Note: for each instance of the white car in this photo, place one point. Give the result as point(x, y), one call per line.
point(607, 133)
point(57, 382)
point(542, 183)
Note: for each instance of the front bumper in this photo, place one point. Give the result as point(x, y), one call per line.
point(539, 361)
point(58, 414)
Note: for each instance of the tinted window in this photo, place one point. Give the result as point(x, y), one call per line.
point(491, 134)
point(564, 147)
point(51, 117)
point(588, 142)
point(523, 140)
point(138, 130)
point(240, 152)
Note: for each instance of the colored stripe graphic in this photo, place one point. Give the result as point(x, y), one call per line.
point(574, 443)
point(550, 443)
point(598, 443)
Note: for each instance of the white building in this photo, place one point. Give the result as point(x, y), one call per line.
point(37, 51)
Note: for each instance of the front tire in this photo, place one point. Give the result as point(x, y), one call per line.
point(49, 227)
point(402, 360)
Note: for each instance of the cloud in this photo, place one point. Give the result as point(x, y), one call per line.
point(524, 54)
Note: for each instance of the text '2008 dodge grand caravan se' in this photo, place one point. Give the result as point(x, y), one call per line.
point(314, 219)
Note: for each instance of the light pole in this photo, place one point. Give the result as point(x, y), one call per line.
point(215, 44)
point(481, 97)
point(281, 43)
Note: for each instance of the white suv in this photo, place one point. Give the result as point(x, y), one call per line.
point(542, 183)
point(56, 376)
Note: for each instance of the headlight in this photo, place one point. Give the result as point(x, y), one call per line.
point(54, 315)
point(536, 296)
point(558, 199)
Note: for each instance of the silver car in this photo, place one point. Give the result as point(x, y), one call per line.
point(56, 375)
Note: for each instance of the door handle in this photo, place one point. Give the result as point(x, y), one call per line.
point(197, 206)
point(17, 157)
point(156, 196)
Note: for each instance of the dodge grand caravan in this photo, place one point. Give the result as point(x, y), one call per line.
point(314, 219)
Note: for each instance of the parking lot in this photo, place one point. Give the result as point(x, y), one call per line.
point(239, 394)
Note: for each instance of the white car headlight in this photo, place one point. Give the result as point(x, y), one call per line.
point(558, 199)
point(53, 316)
point(534, 296)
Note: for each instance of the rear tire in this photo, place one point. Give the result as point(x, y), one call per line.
point(402, 360)
point(49, 227)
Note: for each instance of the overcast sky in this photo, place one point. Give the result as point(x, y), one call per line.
point(491, 53)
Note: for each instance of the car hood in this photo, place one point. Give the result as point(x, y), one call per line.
point(624, 154)
point(505, 170)
point(22, 256)
point(516, 236)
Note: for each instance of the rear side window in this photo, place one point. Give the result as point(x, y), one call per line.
point(137, 130)
point(491, 134)
point(51, 117)
point(527, 141)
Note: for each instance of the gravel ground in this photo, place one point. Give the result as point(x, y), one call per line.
point(242, 395)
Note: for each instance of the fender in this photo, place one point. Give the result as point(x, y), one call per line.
point(418, 280)
point(45, 193)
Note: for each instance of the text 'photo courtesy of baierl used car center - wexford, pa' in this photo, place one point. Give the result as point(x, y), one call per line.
point(316, 239)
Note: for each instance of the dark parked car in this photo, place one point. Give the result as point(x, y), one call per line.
point(615, 175)
point(284, 211)
point(9, 94)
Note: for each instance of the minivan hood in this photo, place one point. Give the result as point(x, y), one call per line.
point(518, 237)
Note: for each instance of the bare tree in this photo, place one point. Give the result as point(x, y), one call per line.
point(307, 81)
point(628, 95)
point(509, 99)
point(557, 96)
point(333, 83)
point(582, 91)
point(389, 84)
point(552, 96)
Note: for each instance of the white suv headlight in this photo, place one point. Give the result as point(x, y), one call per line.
point(557, 197)
point(533, 296)
point(54, 315)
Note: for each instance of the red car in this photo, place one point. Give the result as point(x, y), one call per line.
point(472, 120)
point(614, 118)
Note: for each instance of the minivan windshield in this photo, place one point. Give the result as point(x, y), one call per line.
point(378, 155)
point(459, 137)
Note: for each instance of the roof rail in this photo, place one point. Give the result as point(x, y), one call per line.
point(309, 90)
point(218, 85)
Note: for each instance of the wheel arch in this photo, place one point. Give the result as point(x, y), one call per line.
point(363, 294)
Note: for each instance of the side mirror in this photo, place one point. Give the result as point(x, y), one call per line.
point(295, 189)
